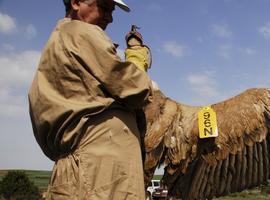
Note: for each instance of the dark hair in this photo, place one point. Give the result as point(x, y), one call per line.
point(67, 5)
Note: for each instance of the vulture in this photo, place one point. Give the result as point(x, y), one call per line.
point(194, 168)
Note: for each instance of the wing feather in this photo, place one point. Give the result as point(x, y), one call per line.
point(206, 168)
point(243, 184)
point(266, 156)
point(260, 164)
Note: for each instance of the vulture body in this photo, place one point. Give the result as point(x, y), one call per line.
point(206, 168)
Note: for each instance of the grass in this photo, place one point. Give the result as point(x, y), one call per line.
point(157, 177)
point(252, 194)
point(41, 179)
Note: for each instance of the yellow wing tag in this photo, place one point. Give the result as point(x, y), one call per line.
point(207, 123)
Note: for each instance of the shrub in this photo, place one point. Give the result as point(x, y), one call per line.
point(17, 185)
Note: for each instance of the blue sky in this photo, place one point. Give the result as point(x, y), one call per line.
point(204, 51)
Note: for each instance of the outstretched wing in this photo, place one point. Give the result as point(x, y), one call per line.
point(205, 168)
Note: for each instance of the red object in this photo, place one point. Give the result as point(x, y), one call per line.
point(160, 192)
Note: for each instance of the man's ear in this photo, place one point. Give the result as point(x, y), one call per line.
point(75, 4)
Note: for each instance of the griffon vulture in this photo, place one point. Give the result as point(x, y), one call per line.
point(206, 168)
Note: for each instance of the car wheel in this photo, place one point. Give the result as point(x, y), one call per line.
point(148, 196)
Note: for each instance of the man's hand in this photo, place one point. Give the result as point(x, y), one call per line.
point(136, 52)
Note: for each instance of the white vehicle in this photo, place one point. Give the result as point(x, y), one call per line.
point(154, 184)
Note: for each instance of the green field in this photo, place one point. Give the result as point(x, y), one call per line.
point(41, 179)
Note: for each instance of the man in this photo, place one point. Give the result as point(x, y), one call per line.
point(82, 106)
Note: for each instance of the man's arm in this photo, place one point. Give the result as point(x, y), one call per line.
point(89, 47)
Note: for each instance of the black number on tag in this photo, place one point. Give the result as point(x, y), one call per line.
point(208, 130)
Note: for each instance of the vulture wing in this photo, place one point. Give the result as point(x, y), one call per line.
point(206, 168)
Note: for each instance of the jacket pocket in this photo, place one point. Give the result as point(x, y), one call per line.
point(64, 179)
point(105, 178)
point(64, 191)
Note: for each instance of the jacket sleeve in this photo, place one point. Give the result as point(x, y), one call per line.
point(89, 47)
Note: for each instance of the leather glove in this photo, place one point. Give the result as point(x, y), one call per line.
point(136, 52)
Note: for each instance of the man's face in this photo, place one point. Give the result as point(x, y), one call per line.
point(97, 12)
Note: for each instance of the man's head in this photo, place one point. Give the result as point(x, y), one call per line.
point(98, 12)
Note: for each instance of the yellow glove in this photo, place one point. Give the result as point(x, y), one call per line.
point(140, 56)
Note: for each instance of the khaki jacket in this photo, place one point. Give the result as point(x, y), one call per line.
point(79, 76)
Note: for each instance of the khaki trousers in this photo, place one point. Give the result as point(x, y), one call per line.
point(107, 164)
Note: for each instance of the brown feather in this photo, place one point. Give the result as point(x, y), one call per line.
point(249, 165)
point(217, 178)
point(224, 176)
point(243, 181)
point(266, 158)
point(231, 174)
point(238, 167)
point(203, 186)
point(197, 179)
point(237, 159)
point(210, 182)
point(260, 163)
point(255, 166)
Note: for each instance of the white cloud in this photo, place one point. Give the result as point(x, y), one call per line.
point(31, 31)
point(7, 24)
point(221, 30)
point(12, 105)
point(225, 51)
point(265, 30)
point(200, 39)
point(174, 49)
point(17, 70)
point(204, 84)
point(248, 51)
